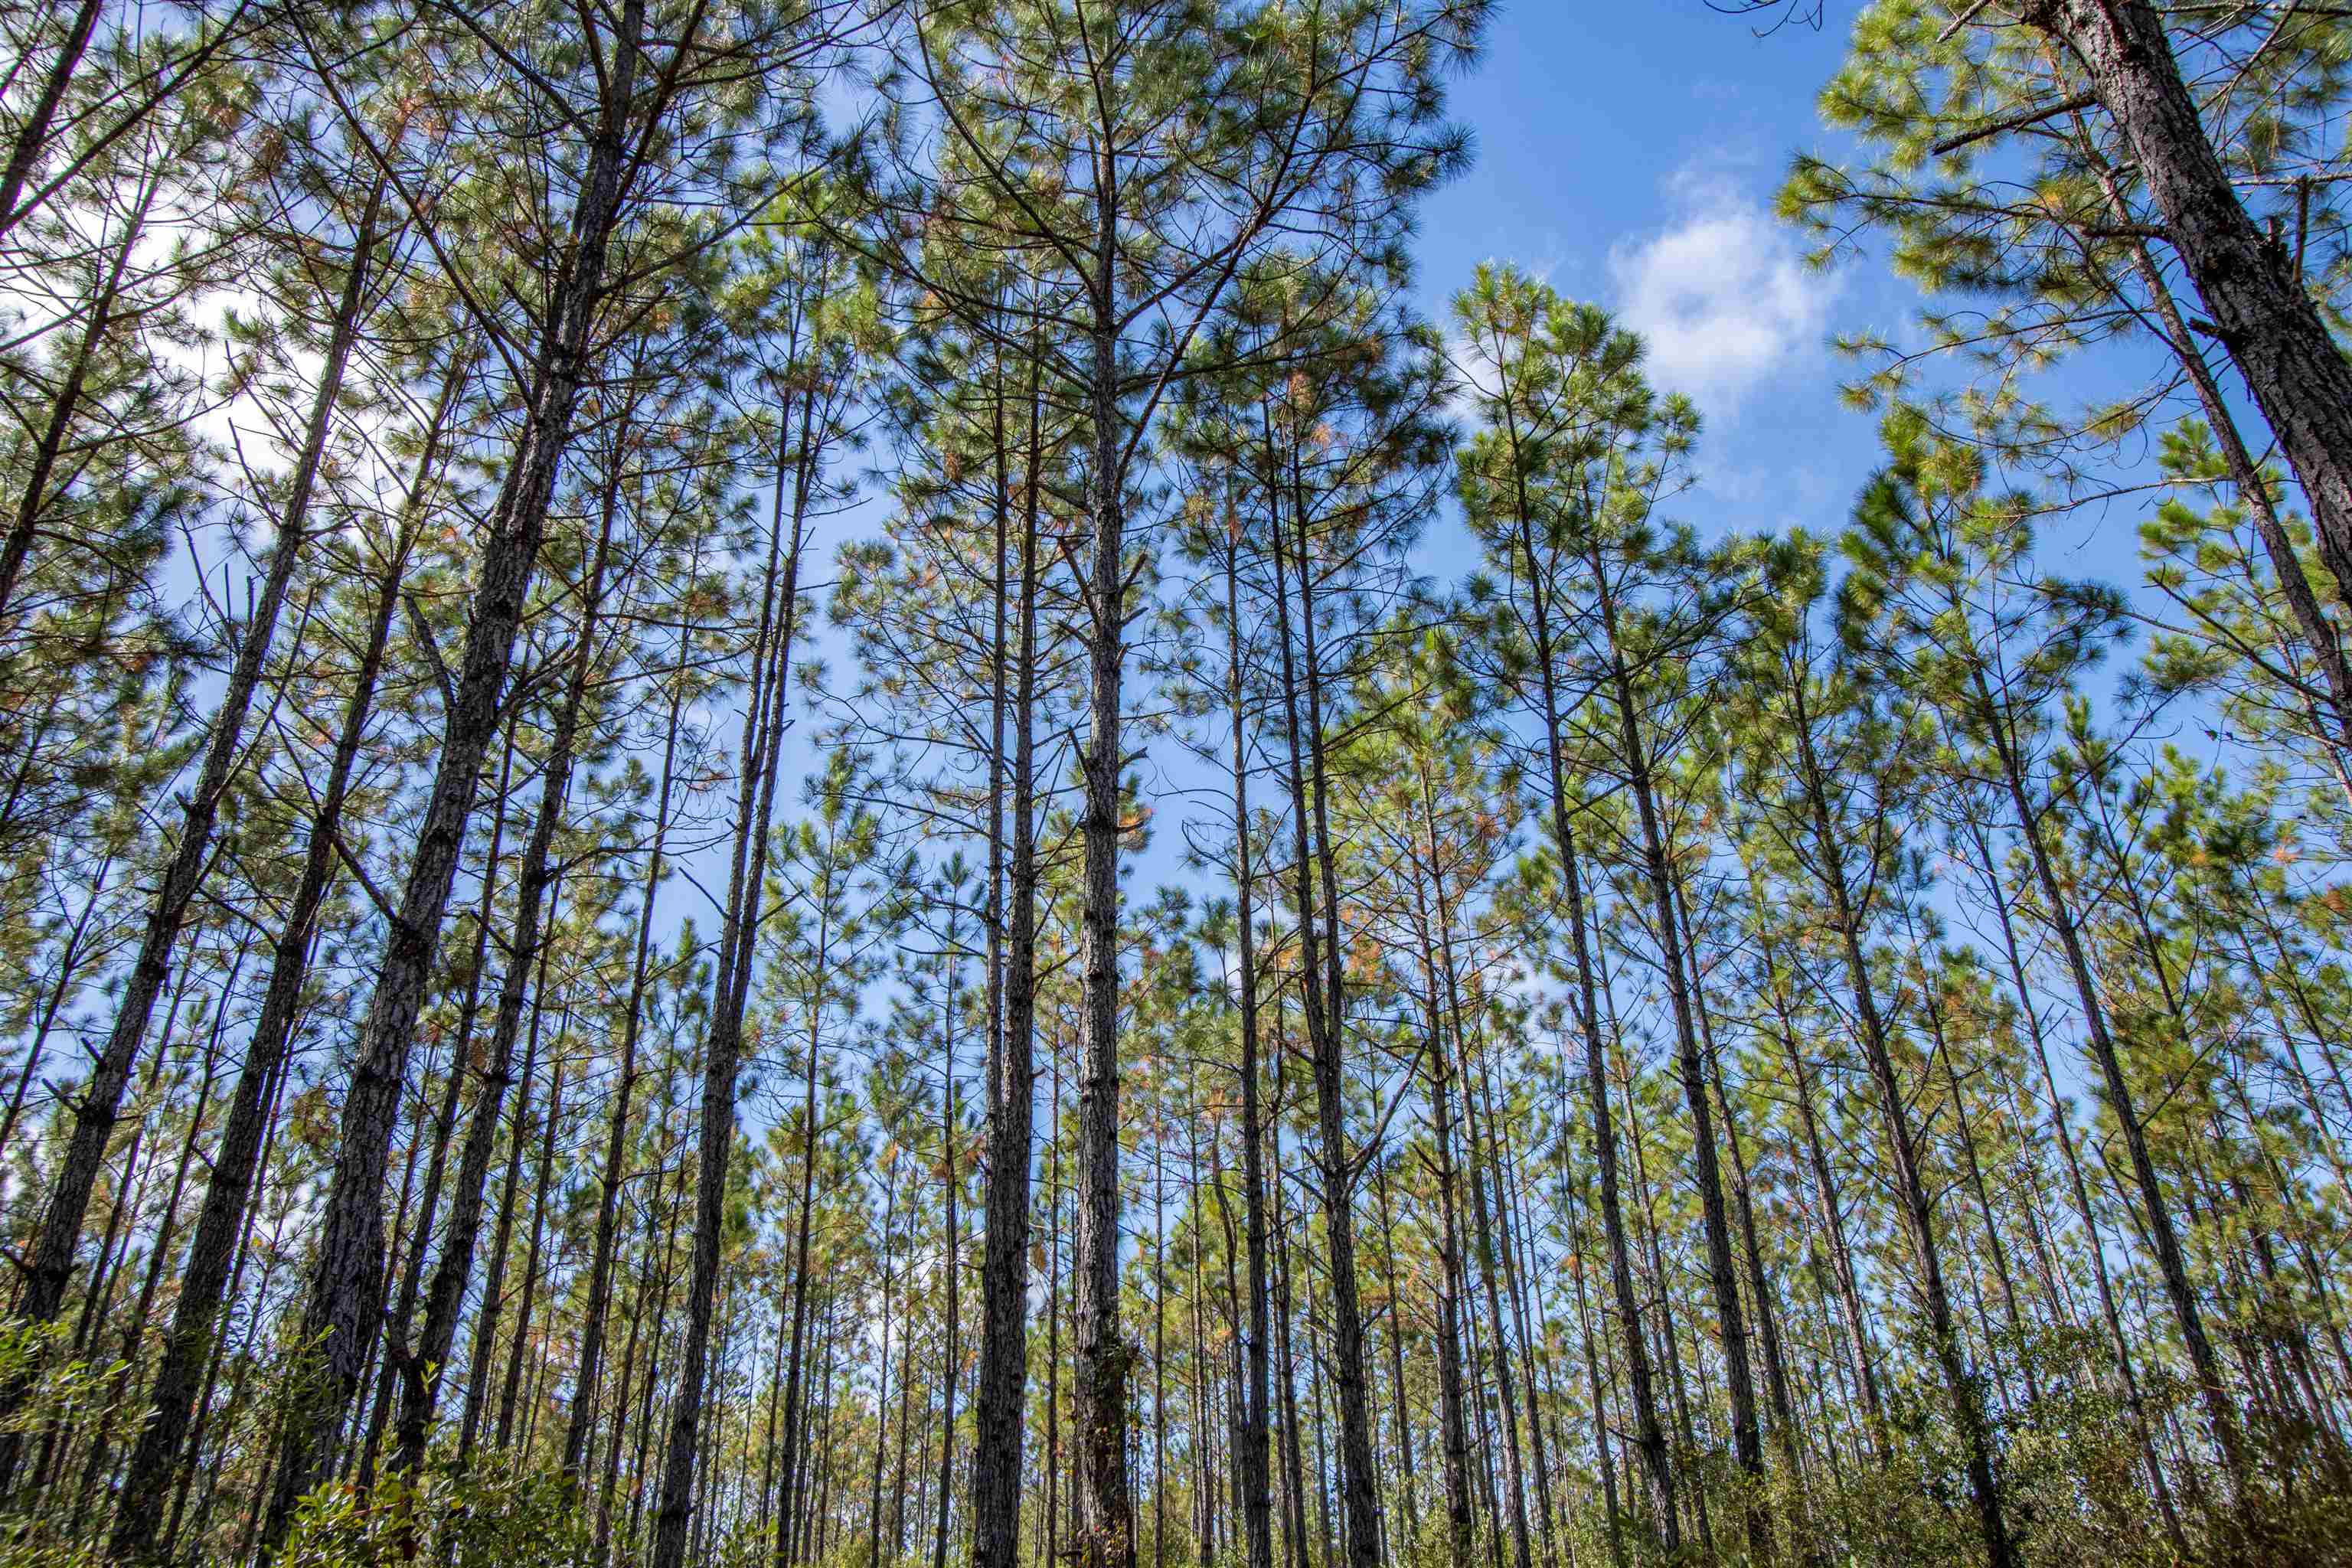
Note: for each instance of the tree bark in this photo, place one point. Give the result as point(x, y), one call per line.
point(101, 1094)
point(604, 1250)
point(1253, 1466)
point(445, 1295)
point(1103, 1357)
point(229, 1187)
point(763, 731)
point(1911, 1184)
point(344, 1304)
point(998, 1414)
point(1321, 970)
point(2298, 376)
point(1747, 1440)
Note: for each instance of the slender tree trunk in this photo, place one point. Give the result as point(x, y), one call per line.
point(794, 1459)
point(1507, 1220)
point(1292, 1456)
point(101, 1100)
point(1254, 1474)
point(1745, 1438)
point(1453, 1427)
point(484, 1350)
point(509, 1396)
point(1649, 1437)
point(951, 1130)
point(213, 1245)
point(2260, 312)
point(999, 1412)
point(595, 1314)
point(2164, 1240)
point(1594, 1390)
point(1408, 1483)
point(344, 1305)
point(763, 731)
point(1514, 1499)
point(1917, 1206)
point(445, 1295)
point(1326, 1012)
point(882, 1390)
point(71, 955)
point(34, 498)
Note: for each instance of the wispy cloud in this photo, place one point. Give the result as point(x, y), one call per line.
point(1722, 295)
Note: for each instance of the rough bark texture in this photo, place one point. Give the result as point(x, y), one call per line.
point(1098, 1388)
point(2298, 376)
point(446, 1293)
point(213, 1246)
point(344, 1305)
point(31, 137)
point(101, 1100)
point(998, 1417)
point(101, 1096)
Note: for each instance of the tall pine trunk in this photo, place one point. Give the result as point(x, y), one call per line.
point(2260, 312)
point(1918, 1205)
point(99, 1103)
point(344, 1305)
point(1103, 1357)
point(445, 1295)
point(999, 1413)
point(1253, 1469)
point(763, 731)
point(1325, 1008)
point(603, 1250)
point(1746, 1437)
point(212, 1246)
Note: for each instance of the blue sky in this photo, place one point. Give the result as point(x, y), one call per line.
point(1628, 154)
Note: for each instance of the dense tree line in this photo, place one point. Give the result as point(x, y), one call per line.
point(798, 783)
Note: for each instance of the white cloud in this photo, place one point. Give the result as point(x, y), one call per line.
point(1722, 296)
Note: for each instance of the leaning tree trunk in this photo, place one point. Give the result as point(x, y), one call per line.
point(344, 1305)
point(1910, 1180)
point(453, 1272)
point(100, 1102)
point(32, 494)
point(33, 135)
point(220, 1217)
point(2260, 312)
point(2164, 1237)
